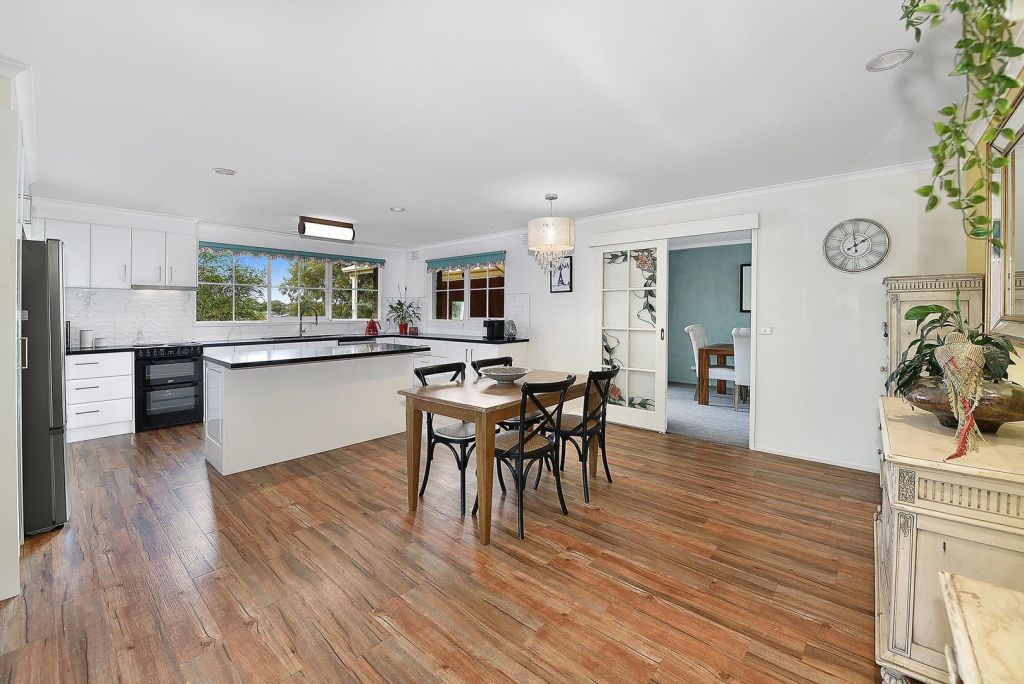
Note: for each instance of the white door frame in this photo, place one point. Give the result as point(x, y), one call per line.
point(709, 227)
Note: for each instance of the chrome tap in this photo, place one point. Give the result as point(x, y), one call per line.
point(316, 319)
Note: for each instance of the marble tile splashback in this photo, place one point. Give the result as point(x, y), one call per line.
point(158, 316)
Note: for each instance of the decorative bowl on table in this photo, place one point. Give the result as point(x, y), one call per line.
point(504, 375)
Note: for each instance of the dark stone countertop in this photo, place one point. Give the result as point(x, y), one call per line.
point(283, 357)
point(469, 339)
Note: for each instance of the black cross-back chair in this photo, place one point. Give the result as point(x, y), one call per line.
point(461, 435)
point(591, 425)
point(509, 423)
point(534, 444)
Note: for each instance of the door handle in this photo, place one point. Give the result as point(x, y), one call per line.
point(24, 353)
point(662, 333)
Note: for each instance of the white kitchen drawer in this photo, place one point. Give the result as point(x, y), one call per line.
point(99, 413)
point(100, 365)
point(99, 389)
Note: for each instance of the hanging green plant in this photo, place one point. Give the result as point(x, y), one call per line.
point(983, 53)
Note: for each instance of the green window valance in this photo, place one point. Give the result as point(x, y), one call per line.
point(467, 261)
point(224, 248)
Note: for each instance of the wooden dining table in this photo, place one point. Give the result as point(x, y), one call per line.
point(486, 403)
point(721, 351)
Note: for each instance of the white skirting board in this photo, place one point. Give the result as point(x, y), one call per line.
point(264, 415)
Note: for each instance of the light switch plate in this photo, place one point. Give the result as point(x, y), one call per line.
point(765, 331)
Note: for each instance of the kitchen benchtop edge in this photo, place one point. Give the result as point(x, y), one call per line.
point(280, 357)
point(310, 338)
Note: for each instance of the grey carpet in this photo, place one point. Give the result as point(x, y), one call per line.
point(716, 422)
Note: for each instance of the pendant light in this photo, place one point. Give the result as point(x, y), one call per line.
point(551, 238)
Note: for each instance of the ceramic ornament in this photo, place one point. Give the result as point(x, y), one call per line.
point(962, 364)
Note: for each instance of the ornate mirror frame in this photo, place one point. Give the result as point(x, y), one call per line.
point(1004, 276)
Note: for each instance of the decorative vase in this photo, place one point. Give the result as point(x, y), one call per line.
point(403, 328)
point(1000, 403)
point(510, 330)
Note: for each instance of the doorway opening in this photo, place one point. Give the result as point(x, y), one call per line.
point(709, 315)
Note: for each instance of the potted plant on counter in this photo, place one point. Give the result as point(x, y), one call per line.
point(918, 377)
point(403, 311)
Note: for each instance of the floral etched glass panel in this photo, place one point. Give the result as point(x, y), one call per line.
point(642, 313)
point(615, 309)
point(616, 274)
point(617, 390)
point(614, 344)
point(641, 390)
point(643, 267)
point(642, 349)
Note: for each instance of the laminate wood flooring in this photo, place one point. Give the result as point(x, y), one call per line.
point(700, 563)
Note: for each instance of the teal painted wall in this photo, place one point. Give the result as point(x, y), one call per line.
point(703, 287)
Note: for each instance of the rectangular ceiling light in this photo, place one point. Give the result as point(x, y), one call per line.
point(324, 229)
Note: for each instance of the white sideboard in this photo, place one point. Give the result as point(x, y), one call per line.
point(964, 516)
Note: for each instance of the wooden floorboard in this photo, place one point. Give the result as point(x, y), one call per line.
point(700, 563)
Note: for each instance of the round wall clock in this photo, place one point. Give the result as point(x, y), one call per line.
point(856, 245)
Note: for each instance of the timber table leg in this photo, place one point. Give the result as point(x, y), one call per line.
point(484, 474)
point(413, 432)
point(720, 385)
point(703, 364)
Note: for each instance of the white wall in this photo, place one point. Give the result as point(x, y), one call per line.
point(818, 376)
point(10, 504)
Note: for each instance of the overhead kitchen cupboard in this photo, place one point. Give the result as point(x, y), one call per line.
point(110, 257)
point(75, 237)
point(163, 259)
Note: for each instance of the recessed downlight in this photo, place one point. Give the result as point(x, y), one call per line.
point(224, 172)
point(889, 60)
point(397, 210)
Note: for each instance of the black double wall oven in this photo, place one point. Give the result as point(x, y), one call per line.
point(168, 386)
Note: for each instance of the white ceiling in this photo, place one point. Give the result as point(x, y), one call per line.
point(464, 112)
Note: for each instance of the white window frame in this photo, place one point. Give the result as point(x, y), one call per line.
point(270, 320)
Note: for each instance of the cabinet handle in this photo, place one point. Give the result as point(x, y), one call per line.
point(170, 275)
point(124, 271)
point(82, 413)
point(159, 274)
point(89, 387)
point(24, 353)
point(87, 363)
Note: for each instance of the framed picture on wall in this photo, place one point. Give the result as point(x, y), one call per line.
point(561, 276)
point(745, 292)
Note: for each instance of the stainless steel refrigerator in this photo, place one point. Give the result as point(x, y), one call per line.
point(43, 421)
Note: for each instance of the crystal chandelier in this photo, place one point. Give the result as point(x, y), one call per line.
point(551, 238)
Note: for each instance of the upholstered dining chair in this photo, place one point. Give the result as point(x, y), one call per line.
point(698, 339)
point(741, 365)
point(460, 438)
point(531, 445)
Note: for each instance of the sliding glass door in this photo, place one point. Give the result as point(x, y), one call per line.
point(633, 307)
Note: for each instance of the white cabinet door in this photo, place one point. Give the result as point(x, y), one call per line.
point(110, 265)
point(181, 260)
point(148, 257)
point(75, 237)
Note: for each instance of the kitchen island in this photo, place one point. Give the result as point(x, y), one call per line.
point(264, 407)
